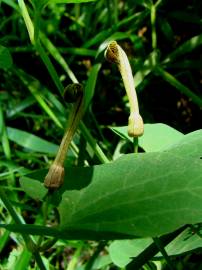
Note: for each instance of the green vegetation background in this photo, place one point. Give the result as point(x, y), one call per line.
point(163, 42)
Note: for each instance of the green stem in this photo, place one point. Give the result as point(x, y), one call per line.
point(31, 246)
point(89, 138)
point(92, 259)
point(153, 26)
point(135, 143)
point(75, 117)
point(161, 248)
point(55, 77)
point(152, 250)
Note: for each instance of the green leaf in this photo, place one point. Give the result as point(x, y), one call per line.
point(58, 57)
point(11, 3)
point(156, 137)
point(31, 141)
point(179, 86)
point(122, 251)
point(146, 68)
point(115, 36)
point(90, 85)
point(186, 47)
point(5, 58)
point(145, 195)
point(183, 243)
point(34, 189)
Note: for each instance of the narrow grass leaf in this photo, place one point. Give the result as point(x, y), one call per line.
point(186, 64)
point(11, 3)
point(23, 259)
point(97, 38)
point(187, 46)
point(31, 141)
point(4, 136)
point(35, 88)
point(58, 57)
point(21, 106)
point(185, 17)
point(90, 85)
point(179, 86)
point(147, 67)
point(115, 36)
point(5, 58)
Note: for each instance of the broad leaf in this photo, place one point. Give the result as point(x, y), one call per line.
point(144, 194)
point(147, 194)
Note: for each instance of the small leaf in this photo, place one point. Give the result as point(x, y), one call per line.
point(5, 58)
point(122, 251)
point(183, 243)
point(186, 47)
point(34, 189)
point(156, 137)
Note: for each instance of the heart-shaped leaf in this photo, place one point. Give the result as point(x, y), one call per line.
point(146, 194)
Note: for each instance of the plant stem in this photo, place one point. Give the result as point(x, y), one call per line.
point(31, 246)
point(55, 177)
point(89, 138)
point(161, 248)
point(46, 60)
point(92, 259)
point(135, 143)
point(153, 27)
point(152, 250)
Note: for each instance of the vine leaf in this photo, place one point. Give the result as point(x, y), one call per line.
point(147, 195)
